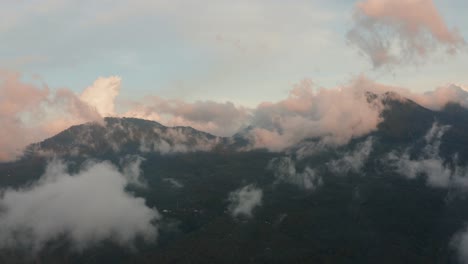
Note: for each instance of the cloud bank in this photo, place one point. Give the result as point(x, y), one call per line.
point(223, 119)
point(391, 32)
point(87, 207)
point(29, 113)
point(244, 200)
point(333, 116)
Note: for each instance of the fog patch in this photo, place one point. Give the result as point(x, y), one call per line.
point(85, 207)
point(131, 165)
point(174, 183)
point(284, 170)
point(429, 163)
point(244, 200)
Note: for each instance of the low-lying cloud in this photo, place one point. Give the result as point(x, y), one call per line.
point(244, 200)
point(460, 244)
point(430, 164)
point(285, 171)
point(354, 160)
point(222, 119)
point(86, 208)
point(30, 113)
point(330, 116)
point(391, 32)
point(334, 116)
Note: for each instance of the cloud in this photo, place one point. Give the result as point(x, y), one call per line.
point(330, 116)
point(435, 99)
point(101, 95)
point(87, 207)
point(430, 164)
point(460, 244)
point(131, 170)
point(30, 113)
point(334, 116)
point(352, 161)
point(158, 139)
point(392, 32)
point(174, 183)
point(244, 200)
point(284, 170)
point(443, 95)
point(221, 119)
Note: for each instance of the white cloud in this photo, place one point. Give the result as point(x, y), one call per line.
point(87, 207)
point(244, 200)
point(132, 170)
point(334, 116)
point(460, 244)
point(174, 183)
point(101, 95)
point(430, 164)
point(284, 170)
point(29, 113)
point(352, 161)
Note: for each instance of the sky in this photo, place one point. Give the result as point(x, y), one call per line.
point(291, 69)
point(241, 51)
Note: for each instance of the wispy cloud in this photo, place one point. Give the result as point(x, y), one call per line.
point(215, 117)
point(430, 164)
point(354, 160)
point(391, 32)
point(285, 171)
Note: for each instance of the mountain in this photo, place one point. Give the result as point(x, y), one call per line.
point(396, 195)
point(124, 135)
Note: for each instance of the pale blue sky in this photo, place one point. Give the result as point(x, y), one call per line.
point(241, 51)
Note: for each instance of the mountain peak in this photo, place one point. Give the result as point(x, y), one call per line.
point(386, 97)
point(124, 135)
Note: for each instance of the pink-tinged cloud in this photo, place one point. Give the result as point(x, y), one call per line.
point(434, 100)
point(222, 119)
point(29, 113)
point(392, 32)
point(333, 116)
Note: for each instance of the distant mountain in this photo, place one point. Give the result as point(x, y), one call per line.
point(124, 135)
point(403, 119)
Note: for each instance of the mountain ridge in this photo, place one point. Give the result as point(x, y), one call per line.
point(403, 120)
